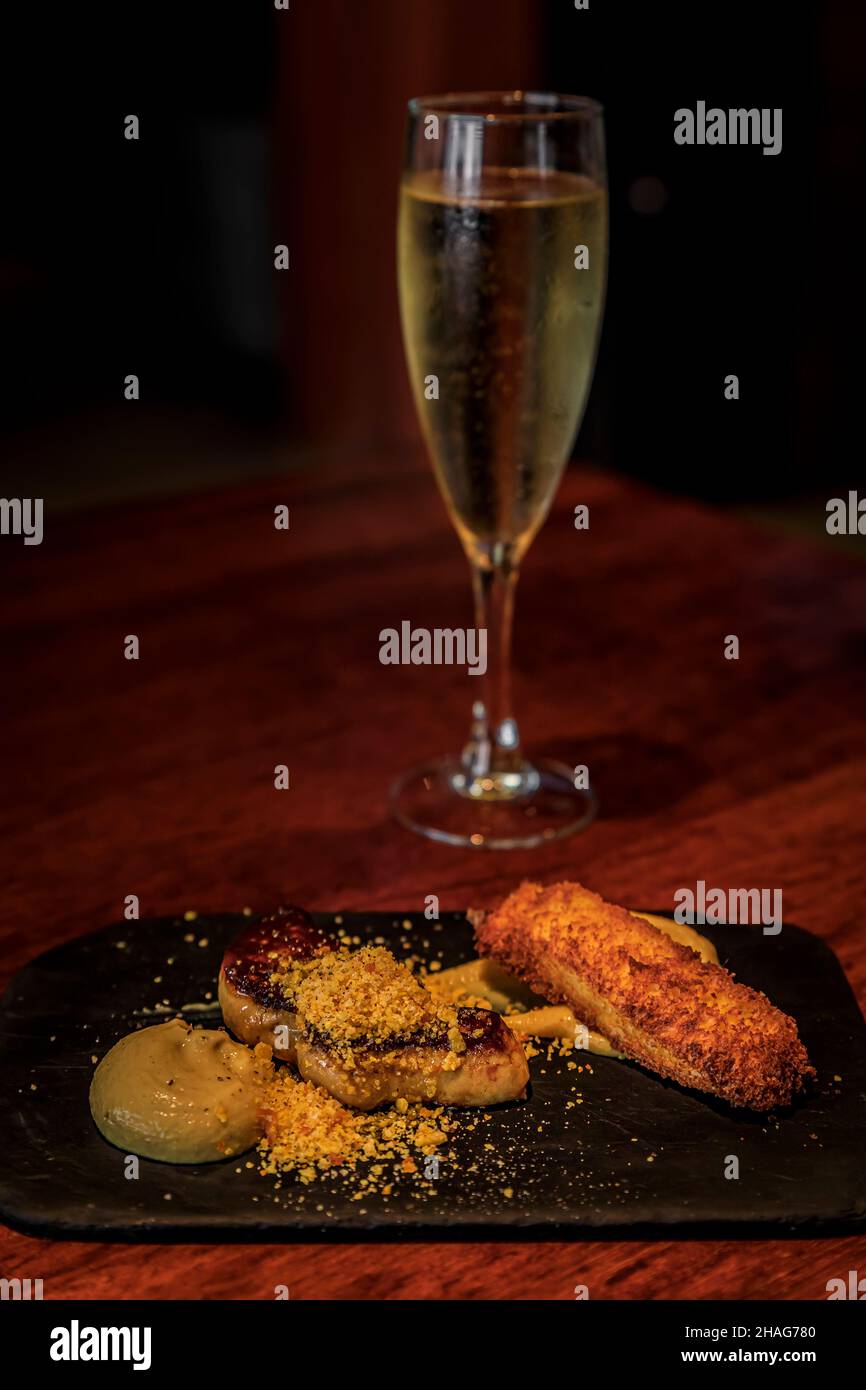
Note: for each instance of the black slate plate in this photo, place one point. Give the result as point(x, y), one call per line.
point(632, 1155)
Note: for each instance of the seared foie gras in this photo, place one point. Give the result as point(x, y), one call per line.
point(370, 1032)
point(491, 1068)
point(256, 1007)
point(655, 999)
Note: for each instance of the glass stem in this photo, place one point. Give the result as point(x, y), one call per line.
point(493, 759)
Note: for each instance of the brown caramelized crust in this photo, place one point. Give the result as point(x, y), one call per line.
point(254, 1005)
point(480, 1031)
point(489, 1068)
point(289, 934)
point(653, 998)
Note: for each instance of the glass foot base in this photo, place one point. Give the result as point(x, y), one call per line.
point(427, 800)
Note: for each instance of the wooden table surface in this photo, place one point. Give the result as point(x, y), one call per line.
point(260, 647)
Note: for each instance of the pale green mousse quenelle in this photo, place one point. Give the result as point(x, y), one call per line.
point(179, 1094)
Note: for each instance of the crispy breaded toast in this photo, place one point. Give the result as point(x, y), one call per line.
point(656, 1000)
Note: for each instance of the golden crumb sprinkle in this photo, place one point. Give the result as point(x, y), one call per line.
point(288, 973)
point(310, 1134)
point(306, 1126)
point(368, 996)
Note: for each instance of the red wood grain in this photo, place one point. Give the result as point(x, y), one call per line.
point(260, 647)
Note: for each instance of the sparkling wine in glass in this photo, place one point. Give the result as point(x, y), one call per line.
point(502, 252)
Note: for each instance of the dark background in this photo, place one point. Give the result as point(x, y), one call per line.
point(261, 126)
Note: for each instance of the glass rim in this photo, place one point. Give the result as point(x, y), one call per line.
point(563, 107)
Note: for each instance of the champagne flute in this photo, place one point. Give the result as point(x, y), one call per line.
point(502, 251)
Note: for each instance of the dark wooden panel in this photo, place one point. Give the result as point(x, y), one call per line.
point(338, 140)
